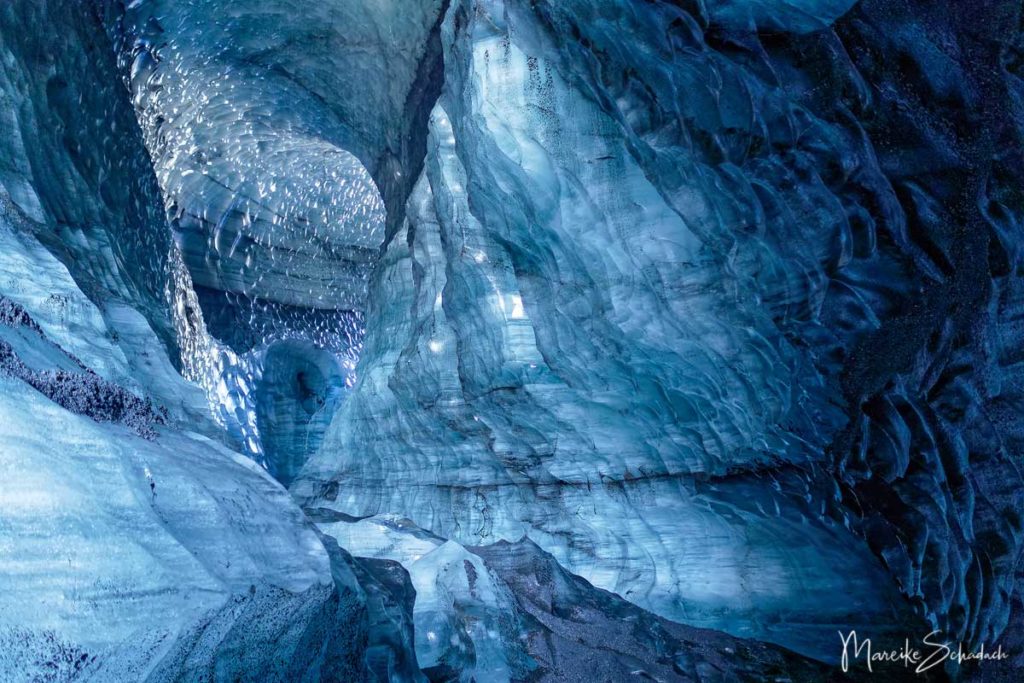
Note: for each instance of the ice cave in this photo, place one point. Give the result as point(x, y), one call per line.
point(511, 340)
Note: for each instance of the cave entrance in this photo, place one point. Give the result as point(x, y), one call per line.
point(300, 388)
point(278, 261)
point(269, 130)
point(277, 234)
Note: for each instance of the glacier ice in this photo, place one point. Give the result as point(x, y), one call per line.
point(506, 340)
point(249, 122)
point(511, 612)
point(797, 16)
point(659, 306)
point(546, 388)
point(135, 546)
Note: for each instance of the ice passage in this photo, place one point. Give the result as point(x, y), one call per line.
point(509, 340)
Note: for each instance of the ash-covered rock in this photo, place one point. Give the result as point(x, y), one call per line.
point(85, 392)
point(13, 314)
point(576, 632)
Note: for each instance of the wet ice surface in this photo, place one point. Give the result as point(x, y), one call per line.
point(278, 225)
point(153, 553)
point(666, 320)
point(264, 203)
point(688, 329)
point(511, 612)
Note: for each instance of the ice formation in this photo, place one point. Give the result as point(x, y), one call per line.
point(493, 340)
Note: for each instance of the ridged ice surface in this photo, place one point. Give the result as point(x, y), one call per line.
point(666, 318)
point(254, 113)
point(250, 119)
point(592, 340)
point(265, 202)
point(135, 546)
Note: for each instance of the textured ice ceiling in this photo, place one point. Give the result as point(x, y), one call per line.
point(591, 340)
point(252, 121)
point(259, 124)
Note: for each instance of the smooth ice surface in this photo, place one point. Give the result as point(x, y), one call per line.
point(78, 509)
point(462, 618)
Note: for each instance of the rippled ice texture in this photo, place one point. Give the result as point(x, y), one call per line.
point(680, 314)
point(278, 224)
point(650, 284)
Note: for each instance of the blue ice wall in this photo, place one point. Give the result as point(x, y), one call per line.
point(710, 314)
point(502, 340)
